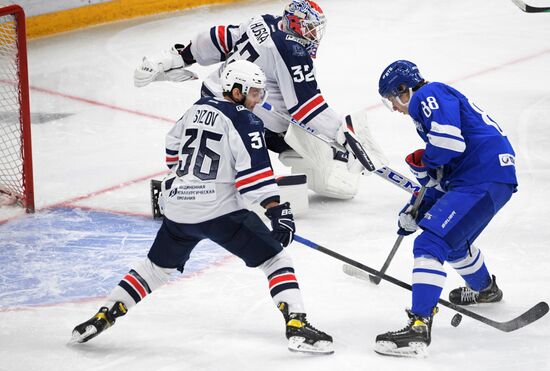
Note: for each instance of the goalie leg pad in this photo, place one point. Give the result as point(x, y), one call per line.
point(326, 176)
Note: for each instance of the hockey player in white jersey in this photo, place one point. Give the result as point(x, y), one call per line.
point(284, 47)
point(218, 157)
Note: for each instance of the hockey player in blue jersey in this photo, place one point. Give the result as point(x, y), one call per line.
point(468, 167)
point(218, 157)
point(284, 47)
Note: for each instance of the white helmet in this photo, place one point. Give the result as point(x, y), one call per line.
point(242, 72)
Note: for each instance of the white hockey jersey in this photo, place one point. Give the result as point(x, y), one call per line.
point(218, 155)
point(291, 83)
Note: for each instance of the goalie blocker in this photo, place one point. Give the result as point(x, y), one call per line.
point(292, 188)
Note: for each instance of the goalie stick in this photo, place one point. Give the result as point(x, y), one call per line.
point(531, 9)
point(414, 211)
point(384, 172)
point(531, 315)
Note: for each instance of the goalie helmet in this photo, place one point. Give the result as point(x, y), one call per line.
point(398, 77)
point(244, 73)
point(305, 19)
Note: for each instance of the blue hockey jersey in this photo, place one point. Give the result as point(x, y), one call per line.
point(462, 139)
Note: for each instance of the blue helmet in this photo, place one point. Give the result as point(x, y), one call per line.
point(398, 77)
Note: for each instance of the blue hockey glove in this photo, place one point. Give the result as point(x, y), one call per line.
point(426, 177)
point(282, 223)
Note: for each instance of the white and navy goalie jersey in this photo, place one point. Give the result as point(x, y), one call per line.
point(291, 82)
point(218, 155)
point(469, 145)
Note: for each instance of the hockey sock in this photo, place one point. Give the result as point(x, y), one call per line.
point(283, 284)
point(138, 283)
point(427, 283)
point(472, 268)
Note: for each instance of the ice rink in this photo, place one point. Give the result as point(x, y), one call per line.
point(98, 140)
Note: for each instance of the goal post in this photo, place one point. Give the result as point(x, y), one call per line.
point(16, 176)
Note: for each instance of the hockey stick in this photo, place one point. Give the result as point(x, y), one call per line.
point(384, 172)
point(414, 211)
point(530, 9)
point(533, 314)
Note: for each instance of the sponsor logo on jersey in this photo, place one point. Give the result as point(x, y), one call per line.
point(297, 39)
point(241, 108)
point(507, 159)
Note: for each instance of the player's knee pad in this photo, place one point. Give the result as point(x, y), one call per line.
point(310, 156)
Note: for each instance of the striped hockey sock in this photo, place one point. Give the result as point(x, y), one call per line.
point(472, 268)
point(138, 283)
point(283, 285)
point(427, 283)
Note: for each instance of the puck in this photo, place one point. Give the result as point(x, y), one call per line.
point(456, 319)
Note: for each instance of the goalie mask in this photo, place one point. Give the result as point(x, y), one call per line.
point(398, 78)
point(305, 19)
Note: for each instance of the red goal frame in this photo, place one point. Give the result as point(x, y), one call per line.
point(27, 195)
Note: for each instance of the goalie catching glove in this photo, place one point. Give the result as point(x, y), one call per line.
point(282, 223)
point(170, 66)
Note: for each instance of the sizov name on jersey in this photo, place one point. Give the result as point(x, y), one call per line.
point(205, 117)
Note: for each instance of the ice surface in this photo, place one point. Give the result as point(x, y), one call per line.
point(97, 141)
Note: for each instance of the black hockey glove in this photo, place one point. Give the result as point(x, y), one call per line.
point(185, 52)
point(282, 223)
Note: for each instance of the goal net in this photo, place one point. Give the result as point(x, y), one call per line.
point(16, 183)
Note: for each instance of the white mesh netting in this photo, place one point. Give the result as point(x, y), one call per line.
point(11, 157)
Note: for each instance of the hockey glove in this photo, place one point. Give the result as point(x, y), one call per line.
point(282, 223)
point(406, 221)
point(426, 177)
point(168, 67)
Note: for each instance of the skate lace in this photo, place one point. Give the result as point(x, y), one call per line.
point(408, 326)
point(468, 295)
point(308, 325)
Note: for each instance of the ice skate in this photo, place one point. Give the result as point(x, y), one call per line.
point(411, 341)
point(103, 319)
point(303, 337)
point(467, 296)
